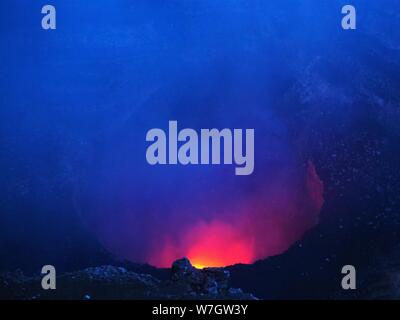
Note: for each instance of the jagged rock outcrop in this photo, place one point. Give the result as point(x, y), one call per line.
point(110, 282)
point(209, 283)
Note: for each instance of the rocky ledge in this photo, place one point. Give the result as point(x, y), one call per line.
point(110, 282)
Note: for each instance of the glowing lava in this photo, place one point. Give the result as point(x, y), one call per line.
point(218, 244)
point(258, 228)
point(213, 244)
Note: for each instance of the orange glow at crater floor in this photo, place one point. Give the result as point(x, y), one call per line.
point(214, 244)
point(251, 236)
point(218, 244)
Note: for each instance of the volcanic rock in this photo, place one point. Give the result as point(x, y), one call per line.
point(206, 283)
point(111, 282)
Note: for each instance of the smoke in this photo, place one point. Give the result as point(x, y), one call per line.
point(265, 227)
point(156, 214)
point(129, 67)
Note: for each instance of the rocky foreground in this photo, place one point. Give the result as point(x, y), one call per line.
point(110, 282)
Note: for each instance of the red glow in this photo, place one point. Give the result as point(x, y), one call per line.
point(213, 244)
point(266, 224)
point(218, 244)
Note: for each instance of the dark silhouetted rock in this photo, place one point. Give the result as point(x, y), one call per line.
point(110, 282)
point(208, 283)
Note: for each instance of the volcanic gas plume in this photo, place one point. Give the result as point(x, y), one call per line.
point(262, 228)
point(156, 214)
point(213, 222)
